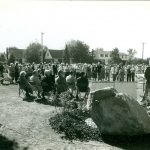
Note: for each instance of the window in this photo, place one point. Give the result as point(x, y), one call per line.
point(106, 55)
point(122, 56)
point(101, 55)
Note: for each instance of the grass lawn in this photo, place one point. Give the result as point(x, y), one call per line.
point(28, 124)
point(129, 88)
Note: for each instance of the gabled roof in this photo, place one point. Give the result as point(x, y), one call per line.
point(56, 53)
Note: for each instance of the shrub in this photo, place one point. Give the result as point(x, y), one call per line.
point(72, 124)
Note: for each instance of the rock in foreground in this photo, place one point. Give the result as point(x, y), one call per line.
point(118, 114)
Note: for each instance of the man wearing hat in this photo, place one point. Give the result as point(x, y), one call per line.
point(147, 86)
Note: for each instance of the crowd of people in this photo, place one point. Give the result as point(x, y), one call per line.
point(97, 71)
point(58, 77)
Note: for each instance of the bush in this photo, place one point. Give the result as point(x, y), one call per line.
point(72, 124)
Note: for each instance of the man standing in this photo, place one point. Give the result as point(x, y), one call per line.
point(132, 73)
point(147, 77)
point(114, 72)
point(12, 72)
point(55, 69)
point(107, 73)
point(128, 73)
point(83, 85)
point(99, 67)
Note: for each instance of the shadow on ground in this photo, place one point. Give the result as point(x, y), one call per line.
point(38, 100)
point(29, 99)
point(140, 142)
point(55, 103)
point(42, 101)
point(6, 144)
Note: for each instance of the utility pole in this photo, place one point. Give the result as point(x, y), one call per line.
point(42, 51)
point(143, 50)
point(92, 55)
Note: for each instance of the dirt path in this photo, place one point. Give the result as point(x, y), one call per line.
point(28, 124)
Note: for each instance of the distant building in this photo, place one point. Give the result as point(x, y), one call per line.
point(49, 56)
point(104, 56)
point(3, 53)
point(55, 56)
point(19, 54)
point(3, 57)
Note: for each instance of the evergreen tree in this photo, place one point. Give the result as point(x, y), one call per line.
point(79, 51)
point(11, 59)
point(131, 53)
point(115, 58)
point(33, 53)
point(66, 55)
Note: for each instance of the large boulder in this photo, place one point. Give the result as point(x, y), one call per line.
point(118, 114)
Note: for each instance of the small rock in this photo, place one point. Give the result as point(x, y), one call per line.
point(90, 123)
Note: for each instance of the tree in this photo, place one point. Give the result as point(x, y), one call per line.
point(66, 55)
point(2, 58)
point(148, 61)
point(79, 51)
point(131, 53)
point(115, 58)
point(11, 59)
point(33, 53)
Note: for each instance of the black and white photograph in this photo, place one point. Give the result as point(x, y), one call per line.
point(74, 75)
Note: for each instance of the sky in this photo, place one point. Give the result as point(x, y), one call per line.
point(99, 24)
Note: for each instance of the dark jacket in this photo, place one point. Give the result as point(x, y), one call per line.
point(48, 83)
point(98, 68)
point(55, 69)
point(61, 84)
point(147, 74)
point(23, 82)
point(82, 84)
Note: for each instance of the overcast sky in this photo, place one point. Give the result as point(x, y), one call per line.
point(100, 24)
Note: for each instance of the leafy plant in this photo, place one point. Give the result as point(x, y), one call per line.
point(72, 124)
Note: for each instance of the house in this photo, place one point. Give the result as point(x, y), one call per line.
point(49, 56)
point(19, 54)
point(55, 56)
point(3, 57)
point(104, 56)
